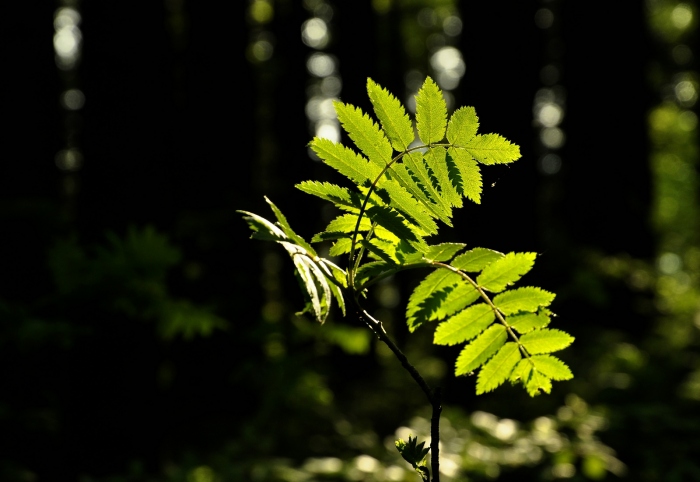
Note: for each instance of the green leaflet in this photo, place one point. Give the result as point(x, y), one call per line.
point(427, 296)
point(423, 177)
point(443, 251)
point(477, 352)
point(436, 160)
point(467, 178)
point(366, 135)
point(492, 149)
point(526, 322)
point(341, 246)
point(392, 221)
point(462, 295)
point(395, 195)
point(345, 161)
point(431, 113)
point(545, 341)
point(527, 298)
point(536, 373)
point(552, 367)
point(381, 250)
point(465, 325)
point(463, 126)
point(339, 196)
point(498, 369)
point(476, 259)
point(505, 271)
point(406, 178)
point(392, 116)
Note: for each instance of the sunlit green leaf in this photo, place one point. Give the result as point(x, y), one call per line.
point(552, 367)
point(465, 325)
point(366, 135)
point(463, 126)
point(498, 369)
point(545, 341)
point(492, 149)
point(526, 322)
point(467, 179)
point(443, 251)
point(481, 349)
point(392, 116)
point(431, 112)
point(527, 298)
point(475, 259)
point(505, 271)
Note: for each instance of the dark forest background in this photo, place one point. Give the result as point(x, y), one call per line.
point(145, 337)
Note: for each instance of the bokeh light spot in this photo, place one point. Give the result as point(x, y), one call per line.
point(314, 33)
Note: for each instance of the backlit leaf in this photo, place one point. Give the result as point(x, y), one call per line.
point(528, 298)
point(463, 126)
point(481, 349)
point(492, 149)
point(431, 112)
point(475, 259)
point(545, 341)
point(392, 116)
point(505, 271)
point(498, 369)
point(465, 325)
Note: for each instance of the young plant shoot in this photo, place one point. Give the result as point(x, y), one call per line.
point(405, 178)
